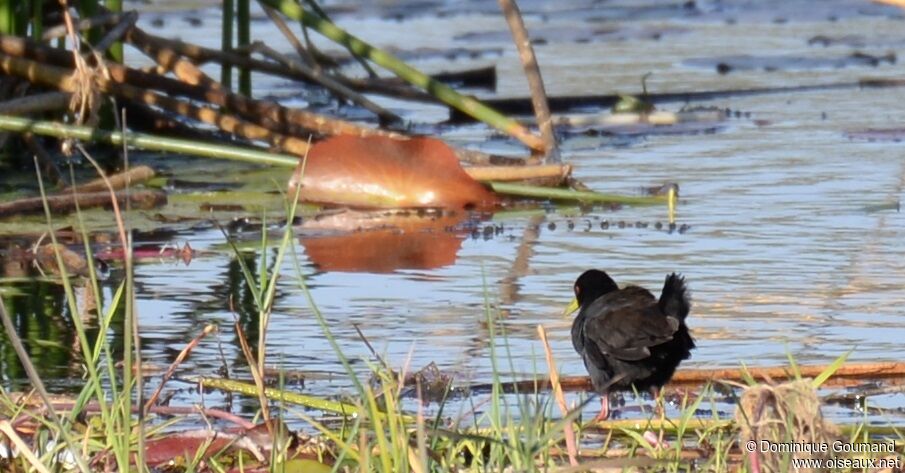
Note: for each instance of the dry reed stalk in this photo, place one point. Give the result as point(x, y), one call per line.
point(300, 49)
point(92, 407)
point(61, 30)
point(266, 114)
point(569, 432)
point(336, 87)
point(256, 374)
point(877, 370)
point(210, 328)
point(201, 55)
point(170, 61)
point(519, 173)
point(532, 73)
point(24, 449)
point(38, 103)
point(116, 33)
point(63, 203)
point(63, 79)
point(846, 375)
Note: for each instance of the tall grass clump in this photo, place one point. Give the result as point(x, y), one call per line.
point(108, 388)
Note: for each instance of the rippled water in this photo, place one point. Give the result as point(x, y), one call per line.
point(791, 245)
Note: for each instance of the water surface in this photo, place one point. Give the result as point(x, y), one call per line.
point(791, 245)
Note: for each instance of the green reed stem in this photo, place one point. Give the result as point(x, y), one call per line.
point(249, 389)
point(555, 193)
point(7, 16)
point(37, 18)
point(144, 141)
point(312, 4)
point(244, 29)
point(21, 18)
point(116, 50)
point(226, 42)
point(88, 9)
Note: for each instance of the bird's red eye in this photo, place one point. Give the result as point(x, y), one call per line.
point(577, 290)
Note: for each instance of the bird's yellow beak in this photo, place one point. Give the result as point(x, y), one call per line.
point(573, 306)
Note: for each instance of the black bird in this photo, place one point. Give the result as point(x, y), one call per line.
point(627, 338)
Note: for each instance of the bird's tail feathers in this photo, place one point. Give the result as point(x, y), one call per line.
point(675, 301)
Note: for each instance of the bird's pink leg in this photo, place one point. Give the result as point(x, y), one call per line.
point(604, 408)
point(659, 407)
point(656, 440)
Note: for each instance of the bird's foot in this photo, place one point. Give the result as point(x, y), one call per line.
point(681, 396)
point(655, 440)
point(602, 416)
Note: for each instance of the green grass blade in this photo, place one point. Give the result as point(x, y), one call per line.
point(830, 370)
point(793, 366)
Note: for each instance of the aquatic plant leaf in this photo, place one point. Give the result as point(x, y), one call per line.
point(380, 172)
point(640, 440)
point(304, 465)
point(181, 448)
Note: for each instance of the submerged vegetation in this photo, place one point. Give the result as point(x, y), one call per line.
point(376, 177)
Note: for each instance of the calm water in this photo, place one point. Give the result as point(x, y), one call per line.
point(790, 248)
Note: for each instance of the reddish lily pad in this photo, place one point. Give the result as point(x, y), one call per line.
point(380, 172)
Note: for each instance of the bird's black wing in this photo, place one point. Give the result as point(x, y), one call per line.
point(626, 323)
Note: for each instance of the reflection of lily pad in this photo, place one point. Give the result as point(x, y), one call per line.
point(380, 242)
